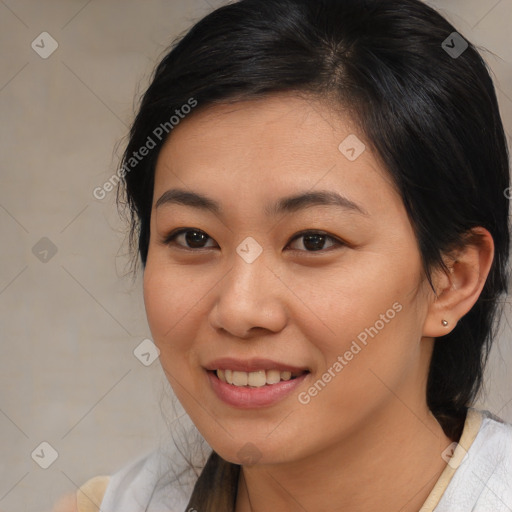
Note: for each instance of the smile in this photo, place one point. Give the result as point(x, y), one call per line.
point(255, 388)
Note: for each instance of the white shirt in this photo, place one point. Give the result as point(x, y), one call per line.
point(478, 477)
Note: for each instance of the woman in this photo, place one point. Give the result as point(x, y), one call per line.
point(317, 194)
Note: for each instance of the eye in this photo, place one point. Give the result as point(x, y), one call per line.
point(314, 241)
point(192, 238)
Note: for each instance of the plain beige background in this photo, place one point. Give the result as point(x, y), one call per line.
point(69, 317)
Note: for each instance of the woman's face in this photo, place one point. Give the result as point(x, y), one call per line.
point(244, 290)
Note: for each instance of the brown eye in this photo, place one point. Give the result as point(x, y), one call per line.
point(314, 241)
point(189, 238)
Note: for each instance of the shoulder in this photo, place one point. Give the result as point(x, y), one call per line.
point(483, 480)
point(88, 498)
point(90, 495)
point(155, 481)
point(493, 447)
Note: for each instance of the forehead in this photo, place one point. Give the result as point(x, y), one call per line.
point(296, 120)
point(275, 145)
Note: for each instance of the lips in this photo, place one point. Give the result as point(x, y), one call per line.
point(254, 382)
point(247, 397)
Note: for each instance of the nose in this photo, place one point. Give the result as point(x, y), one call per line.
point(250, 299)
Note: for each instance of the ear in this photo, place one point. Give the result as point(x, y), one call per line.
point(459, 288)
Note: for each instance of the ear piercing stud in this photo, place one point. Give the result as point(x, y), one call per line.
point(444, 322)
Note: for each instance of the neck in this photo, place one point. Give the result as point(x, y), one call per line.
point(392, 464)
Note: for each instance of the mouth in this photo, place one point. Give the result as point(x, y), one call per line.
point(255, 383)
point(256, 379)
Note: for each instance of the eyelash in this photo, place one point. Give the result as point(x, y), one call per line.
point(170, 239)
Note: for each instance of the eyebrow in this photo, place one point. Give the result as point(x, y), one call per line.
point(288, 204)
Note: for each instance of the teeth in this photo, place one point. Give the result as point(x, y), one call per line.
point(273, 376)
point(240, 378)
point(255, 379)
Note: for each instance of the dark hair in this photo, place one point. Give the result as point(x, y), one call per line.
point(431, 116)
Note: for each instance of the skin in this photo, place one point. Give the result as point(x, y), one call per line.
point(367, 441)
point(67, 503)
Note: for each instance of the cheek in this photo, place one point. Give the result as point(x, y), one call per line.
point(172, 299)
point(160, 302)
point(357, 301)
point(172, 304)
point(371, 320)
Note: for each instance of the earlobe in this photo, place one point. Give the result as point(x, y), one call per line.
point(459, 288)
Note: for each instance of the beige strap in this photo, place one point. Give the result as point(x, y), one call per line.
point(90, 495)
point(472, 425)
